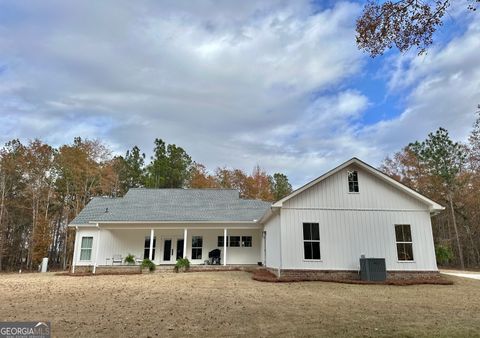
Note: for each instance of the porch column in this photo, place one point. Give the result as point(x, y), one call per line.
point(185, 243)
point(225, 246)
point(150, 251)
point(96, 251)
point(75, 249)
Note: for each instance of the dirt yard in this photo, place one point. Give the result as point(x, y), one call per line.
point(232, 304)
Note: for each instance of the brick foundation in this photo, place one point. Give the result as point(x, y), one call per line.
point(337, 275)
point(406, 275)
point(311, 275)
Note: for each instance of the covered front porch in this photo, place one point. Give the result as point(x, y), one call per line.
point(107, 244)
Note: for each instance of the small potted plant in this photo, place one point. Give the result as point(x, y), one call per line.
point(130, 259)
point(148, 265)
point(183, 264)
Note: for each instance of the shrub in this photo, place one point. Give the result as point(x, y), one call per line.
point(444, 254)
point(130, 259)
point(146, 263)
point(182, 264)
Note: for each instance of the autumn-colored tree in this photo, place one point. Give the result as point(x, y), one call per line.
point(200, 178)
point(254, 186)
point(42, 189)
point(111, 177)
point(445, 171)
point(258, 185)
point(11, 184)
point(79, 175)
point(233, 179)
point(474, 145)
point(39, 180)
point(403, 23)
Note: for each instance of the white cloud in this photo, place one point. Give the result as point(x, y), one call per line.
point(443, 91)
point(234, 83)
point(199, 76)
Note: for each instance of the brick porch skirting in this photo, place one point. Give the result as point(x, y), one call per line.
point(133, 269)
point(120, 269)
point(336, 275)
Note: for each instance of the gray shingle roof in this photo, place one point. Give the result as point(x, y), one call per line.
point(173, 205)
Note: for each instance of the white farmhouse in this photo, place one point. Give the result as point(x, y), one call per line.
point(319, 231)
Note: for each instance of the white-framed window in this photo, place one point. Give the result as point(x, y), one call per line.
point(353, 181)
point(146, 247)
point(311, 241)
point(86, 248)
point(197, 244)
point(403, 237)
point(234, 241)
point(247, 241)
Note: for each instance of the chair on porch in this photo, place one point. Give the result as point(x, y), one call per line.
point(214, 257)
point(138, 260)
point(117, 259)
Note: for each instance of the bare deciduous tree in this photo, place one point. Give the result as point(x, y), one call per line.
point(403, 24)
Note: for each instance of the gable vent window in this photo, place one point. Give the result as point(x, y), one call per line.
point(353, 181)
point(403, 236)
point(311, 241)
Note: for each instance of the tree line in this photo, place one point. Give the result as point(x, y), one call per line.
point(449, 173)
point(42, 188)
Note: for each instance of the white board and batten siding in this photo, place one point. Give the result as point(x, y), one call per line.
point(351, 224)
point(272, 242)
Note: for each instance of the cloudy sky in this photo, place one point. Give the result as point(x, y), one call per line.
point(237, 83)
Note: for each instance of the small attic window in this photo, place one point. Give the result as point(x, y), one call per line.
point(353, 181)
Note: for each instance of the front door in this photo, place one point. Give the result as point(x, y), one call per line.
point(167, 250)
point(179, 248)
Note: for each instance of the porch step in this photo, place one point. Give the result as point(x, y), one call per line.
point(164, 269)
point(199, 268)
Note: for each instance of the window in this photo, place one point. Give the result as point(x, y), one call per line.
point(197, 244)
point(311, 241)
point(146, 247)
point(220, 241)
point(86, 249)
point(234, 241)
point(247, 241)
point(403, 235)
point(353, 181)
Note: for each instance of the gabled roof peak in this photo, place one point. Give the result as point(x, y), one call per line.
point(433, 206)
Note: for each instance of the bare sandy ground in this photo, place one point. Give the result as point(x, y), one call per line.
point(232, 304)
